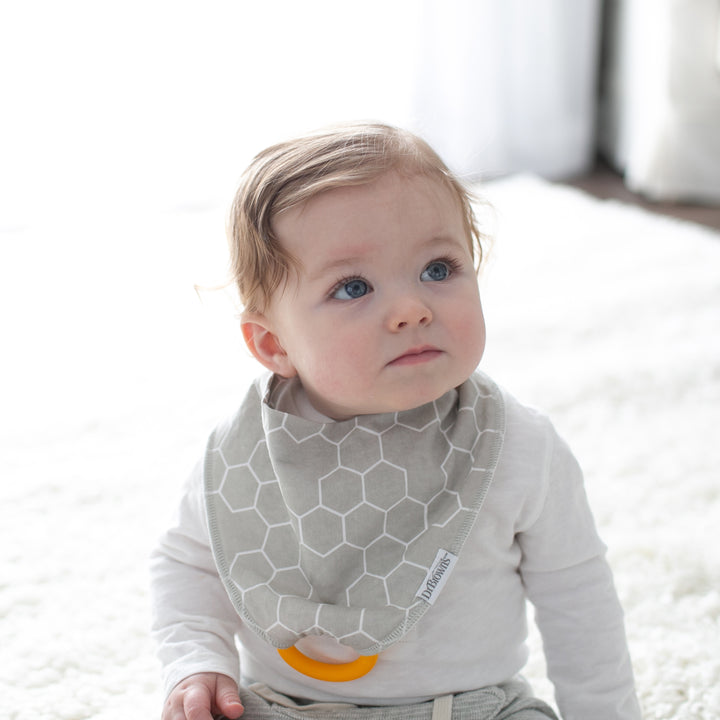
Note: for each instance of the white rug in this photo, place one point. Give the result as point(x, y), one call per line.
point(113, 372)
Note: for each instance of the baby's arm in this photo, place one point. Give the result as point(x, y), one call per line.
point(201, 696)
point(577, 610)
point(194, 622)
point(581, 622)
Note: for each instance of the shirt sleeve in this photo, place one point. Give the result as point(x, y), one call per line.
point(193, 620)
point(570, 584)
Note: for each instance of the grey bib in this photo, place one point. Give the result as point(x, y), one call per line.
point(348, 529)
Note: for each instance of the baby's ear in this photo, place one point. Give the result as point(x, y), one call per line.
point(264, 344)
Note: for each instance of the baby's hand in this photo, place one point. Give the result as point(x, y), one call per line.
point(201, 696)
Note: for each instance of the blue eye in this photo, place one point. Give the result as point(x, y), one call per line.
point(351, 290)
point(436, 271)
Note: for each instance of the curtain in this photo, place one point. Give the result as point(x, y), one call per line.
point(660, 104)
point(510, 85)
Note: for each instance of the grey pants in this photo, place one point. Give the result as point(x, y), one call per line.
point(509, 701)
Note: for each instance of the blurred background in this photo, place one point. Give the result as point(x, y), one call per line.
point(157, 104)
point(124, 128)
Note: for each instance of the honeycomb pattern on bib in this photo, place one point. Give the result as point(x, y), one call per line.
point(332, 528)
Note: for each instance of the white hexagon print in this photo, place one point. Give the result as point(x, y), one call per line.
point(333, 528)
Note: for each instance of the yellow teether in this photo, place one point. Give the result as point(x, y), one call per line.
point(330, 672)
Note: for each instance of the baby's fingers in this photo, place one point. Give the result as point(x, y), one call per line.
point(227, 699)
point(197, 701)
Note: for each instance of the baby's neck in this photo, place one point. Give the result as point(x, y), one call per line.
point(289, 396)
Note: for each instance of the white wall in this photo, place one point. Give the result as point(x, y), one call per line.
point(159, 104)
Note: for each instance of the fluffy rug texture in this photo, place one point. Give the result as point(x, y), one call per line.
point(605, 316)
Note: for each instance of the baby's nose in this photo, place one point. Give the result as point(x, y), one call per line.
point(409, 311)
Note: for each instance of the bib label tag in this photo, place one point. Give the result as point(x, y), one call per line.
point(437, 576)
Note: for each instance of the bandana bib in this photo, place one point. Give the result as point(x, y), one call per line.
point(348, 529)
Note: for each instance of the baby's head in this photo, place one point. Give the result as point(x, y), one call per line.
point(355, 253)
point(289, 174)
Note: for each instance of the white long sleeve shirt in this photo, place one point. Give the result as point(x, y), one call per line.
point(534, 540)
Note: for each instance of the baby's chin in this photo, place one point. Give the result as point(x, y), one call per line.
point(425, 396)
point(399, 393)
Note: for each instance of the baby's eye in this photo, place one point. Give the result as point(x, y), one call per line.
point(436, 271)
point(351, 289)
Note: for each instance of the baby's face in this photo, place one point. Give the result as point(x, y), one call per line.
point(384, 311)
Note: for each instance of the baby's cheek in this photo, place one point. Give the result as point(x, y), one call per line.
point(470, 330)
point(339, 370)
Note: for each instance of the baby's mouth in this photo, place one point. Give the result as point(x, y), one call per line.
point(417, 355)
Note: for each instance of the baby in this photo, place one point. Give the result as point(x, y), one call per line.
point(362, 536)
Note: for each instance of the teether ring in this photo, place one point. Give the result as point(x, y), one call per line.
point(330, 672)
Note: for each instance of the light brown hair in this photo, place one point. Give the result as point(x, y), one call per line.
point(292, 172)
